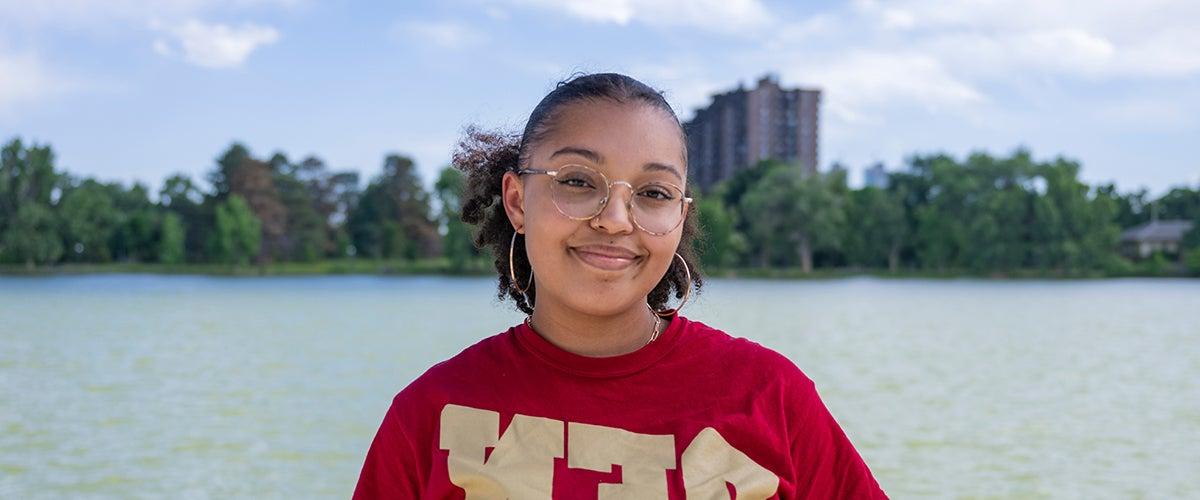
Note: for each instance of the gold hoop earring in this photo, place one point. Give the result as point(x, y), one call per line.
point(512, 269)
point(687, 292)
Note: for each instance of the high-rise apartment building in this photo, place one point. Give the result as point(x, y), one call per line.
point(742, 127)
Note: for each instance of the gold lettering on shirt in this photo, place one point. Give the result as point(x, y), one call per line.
point(644, 459)
point(520, 466)
point(710, 461)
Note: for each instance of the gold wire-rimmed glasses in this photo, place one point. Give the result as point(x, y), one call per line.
point(580, 192)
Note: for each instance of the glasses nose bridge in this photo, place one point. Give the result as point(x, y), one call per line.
point(609, 195)
point(628, 202)
point(627, 184)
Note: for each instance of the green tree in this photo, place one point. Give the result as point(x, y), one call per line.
point(228, 163)
point(238, 173)
point(136, 236)
point(392, 216)
point(718, 247)
point(1180, 203)
point(305, 236)
point(1072, 228)
point(89, 220)
point(172, 239)
point(180, 196)
point(31, 237)
point(803, 212)
point(997, 212)
point(456, 244)
point(238, 234)
point(1191, 259)
point(938, 217)
point(28, 184)
point(879, 230)
point(731, 193)
point(1129, 209)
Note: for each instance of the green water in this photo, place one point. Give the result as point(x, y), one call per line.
point(208, 387)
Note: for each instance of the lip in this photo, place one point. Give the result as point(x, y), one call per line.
point(608, 258)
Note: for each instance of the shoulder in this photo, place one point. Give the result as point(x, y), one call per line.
point(460, 373)
point(745, 356)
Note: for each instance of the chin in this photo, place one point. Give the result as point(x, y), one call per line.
point(602, 300)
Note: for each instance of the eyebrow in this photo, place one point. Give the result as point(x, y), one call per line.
point(597, 158)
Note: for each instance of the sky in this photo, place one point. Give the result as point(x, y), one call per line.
point(137, 90)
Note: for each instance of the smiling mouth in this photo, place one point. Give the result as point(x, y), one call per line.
point(604, 261)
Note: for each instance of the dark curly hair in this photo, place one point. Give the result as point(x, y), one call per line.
point(484, 156)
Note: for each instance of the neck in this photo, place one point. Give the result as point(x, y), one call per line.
point(595, 336)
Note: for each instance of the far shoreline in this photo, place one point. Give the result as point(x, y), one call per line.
point(443, 267)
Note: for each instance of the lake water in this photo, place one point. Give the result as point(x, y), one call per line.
point(212, 387)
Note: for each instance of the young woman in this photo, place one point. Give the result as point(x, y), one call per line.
point(603, 392)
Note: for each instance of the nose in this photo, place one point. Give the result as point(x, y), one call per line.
point(615, 217)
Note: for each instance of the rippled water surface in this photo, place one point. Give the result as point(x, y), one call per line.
point(206, 387)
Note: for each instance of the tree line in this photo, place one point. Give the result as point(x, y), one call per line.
point(983, 214)
point(256, 211)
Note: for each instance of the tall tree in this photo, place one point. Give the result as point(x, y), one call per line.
point(305, 236)
point(996, 212)
point(719, 245)
point(227, 164)
point(89, 221)
point(877, 230)
point(805, 211)
point(392, 217)
point(180, 196)
point(136, 235)
point(1180, 203)
point(238, 173)
point(1130, 209)
point(171, 241)
point(238, 235)
point(457, 243)
point(28, 186)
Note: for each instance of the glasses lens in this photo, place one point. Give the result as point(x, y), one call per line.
point(578, 191)
point(658, 207)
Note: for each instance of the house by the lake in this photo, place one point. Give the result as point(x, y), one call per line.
point(1164, 236)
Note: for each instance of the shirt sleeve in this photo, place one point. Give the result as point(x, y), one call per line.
point(391, 469)
point(826, 463)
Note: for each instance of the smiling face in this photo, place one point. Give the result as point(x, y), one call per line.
point(605, 265)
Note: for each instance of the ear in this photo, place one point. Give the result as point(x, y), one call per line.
point(513, 196)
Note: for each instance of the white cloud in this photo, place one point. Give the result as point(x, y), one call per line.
point(685, 81)
point(445, 34)
point(1063, 52)
point(1108, 38)
point(213, 45)
point(879, 59)
point(721, 16)
point(496, 13)
point(1148, 113)
point(24, 78)
point(858, 84)
point(77, 13)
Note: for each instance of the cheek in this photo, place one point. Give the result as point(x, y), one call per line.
point(546, 232)
point(663, 254)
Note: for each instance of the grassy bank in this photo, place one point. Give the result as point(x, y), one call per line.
point(484, 268)
point(323, 267)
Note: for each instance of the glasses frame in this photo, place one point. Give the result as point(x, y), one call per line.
point(685, 201)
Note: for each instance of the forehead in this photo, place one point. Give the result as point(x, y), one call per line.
point(625, 135)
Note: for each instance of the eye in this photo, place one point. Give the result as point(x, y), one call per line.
point(575, 182)
point(656, 193)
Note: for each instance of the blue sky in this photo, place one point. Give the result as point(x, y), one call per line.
point(140, 89)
